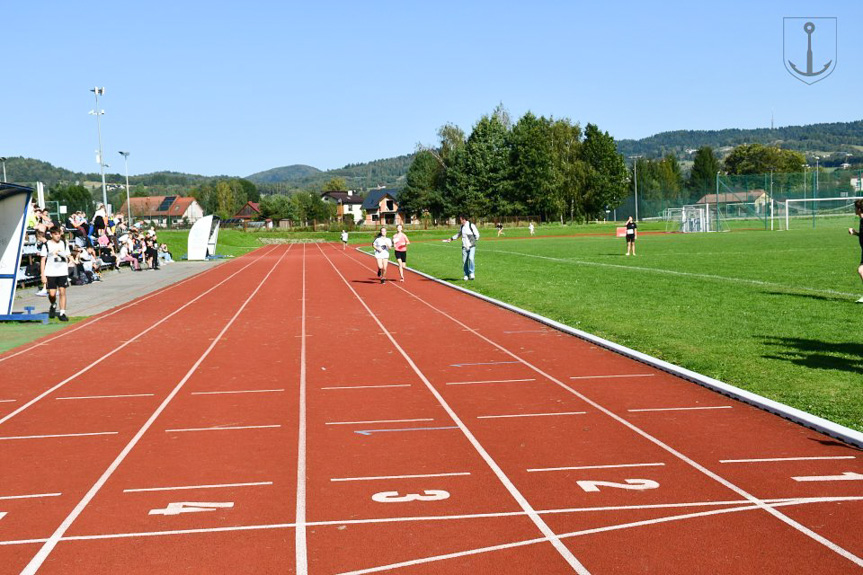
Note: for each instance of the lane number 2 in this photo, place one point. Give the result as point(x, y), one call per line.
point(394, 497)
point(191, 507)
point(631, 484)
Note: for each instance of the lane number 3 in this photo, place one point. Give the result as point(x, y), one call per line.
point(394, 497)
point(631, 484)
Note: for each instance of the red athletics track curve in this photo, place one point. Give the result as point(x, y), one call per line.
point(33, 464)
point(682, 448)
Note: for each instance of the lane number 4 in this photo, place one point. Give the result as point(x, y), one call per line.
point(394, 497)
point(191, 507)
point(631, 484)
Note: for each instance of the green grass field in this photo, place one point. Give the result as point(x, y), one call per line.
point(770, 312)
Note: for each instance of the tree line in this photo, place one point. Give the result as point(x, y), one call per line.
point(538, 166)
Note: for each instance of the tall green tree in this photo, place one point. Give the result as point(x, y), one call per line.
point(531, 180)
point(761, 159)
point(702, 178)
point(605, 173)
point(336, 184)
point(75, 198)
point(423, 190)
point(567, 167)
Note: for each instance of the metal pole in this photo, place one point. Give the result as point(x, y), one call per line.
point(128, 201)
point(4, 169)
point(97, 91)
point(635, 176)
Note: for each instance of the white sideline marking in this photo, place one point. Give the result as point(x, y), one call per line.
point(490, 381)
point(400, 476)
point(598, 467)
point(7, 400)
point(49, 545)
point(234, 428)
point(531, 414)
point(367, 386)
point(612, 376)
point(716, 477)
point(415, 518)
point(183, 487)
point(231, 392)
point(846, 476)
point(770, 459)
point(529, 331)
point(483, 363)
point(562, 550)
point(300, 539)
point(59, 435)
point(33, 496)
point(680, 408)
point(83, 370)
point(377, 421)
point(108, 396)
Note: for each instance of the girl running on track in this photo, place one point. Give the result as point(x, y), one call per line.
point(858, 209)
point(400, 242)
point(382, 245)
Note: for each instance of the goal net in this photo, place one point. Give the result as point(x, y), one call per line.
point(694, 218)
point(814, 212)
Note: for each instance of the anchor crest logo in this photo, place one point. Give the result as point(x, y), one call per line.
point(809, 48)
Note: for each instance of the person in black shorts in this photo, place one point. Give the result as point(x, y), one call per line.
point(55, 271)
point(858, 209)
point(631, 235)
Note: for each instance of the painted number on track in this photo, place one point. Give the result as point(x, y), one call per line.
point(631, 484)
point(394, 497)
point(191, 507)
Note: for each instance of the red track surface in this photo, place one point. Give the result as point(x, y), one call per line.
point(286, 413)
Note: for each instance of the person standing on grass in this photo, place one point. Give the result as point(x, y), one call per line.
point(400, 243)
point(344, 239)
point(55, 271)
point(858, 209)
point(631, 234)
point(382, 245)
point(531, 228)
point(469, 236)
point(499, 227)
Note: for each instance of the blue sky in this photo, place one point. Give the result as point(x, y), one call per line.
point(239, 87)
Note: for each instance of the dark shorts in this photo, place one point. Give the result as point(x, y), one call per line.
point(630, 239)
point(402, 256)
point(57, 282)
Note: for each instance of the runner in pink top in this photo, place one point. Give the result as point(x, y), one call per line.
point(400, 243)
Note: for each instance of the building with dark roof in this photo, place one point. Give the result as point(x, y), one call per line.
point(164, 210)
point(348, 205)
point(381, 207)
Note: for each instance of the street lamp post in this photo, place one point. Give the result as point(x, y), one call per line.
point(128, 201)
point(4, 168)
point(635, 176)
point(97, 112)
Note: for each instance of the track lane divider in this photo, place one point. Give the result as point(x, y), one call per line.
point(543, 527)
point(49, 545)
point(44, 394)
point(758, 503)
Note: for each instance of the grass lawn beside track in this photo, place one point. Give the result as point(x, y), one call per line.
point(771, 312)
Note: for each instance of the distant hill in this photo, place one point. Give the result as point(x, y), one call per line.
point(836, 138)
point(285, 174)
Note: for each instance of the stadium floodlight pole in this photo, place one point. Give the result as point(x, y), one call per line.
point(635, 177)
point(97, 91)
point(4, 168)
point(128, 201)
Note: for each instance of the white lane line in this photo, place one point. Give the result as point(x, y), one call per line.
point(184, 487)
point(415, 518)
point(377, 421)
point(622, 465)
point(771, 459)
point(58, 435)
point(531, 414)
point(490, 381)
point(83, 370)
point(529, 331)
point(682, 457)
point(231, 428)
point(680, 408)
point(33, 496)
point(300, 539)
point(49, 545)
point(483, 363)
point(7, 400)
point(108, 396)
point(564, 552)
point(234, 392)
point(400, 476)
point(612, 376)
point(367, 386)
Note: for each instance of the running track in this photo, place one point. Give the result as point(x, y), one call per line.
point(286, 413)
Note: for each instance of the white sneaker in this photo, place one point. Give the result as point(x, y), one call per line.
point(465, 278)
point(473, 277)
point(860, 300)
point(42, 292)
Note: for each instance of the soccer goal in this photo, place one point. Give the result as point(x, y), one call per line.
point(694, 218)
point(812, 212)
